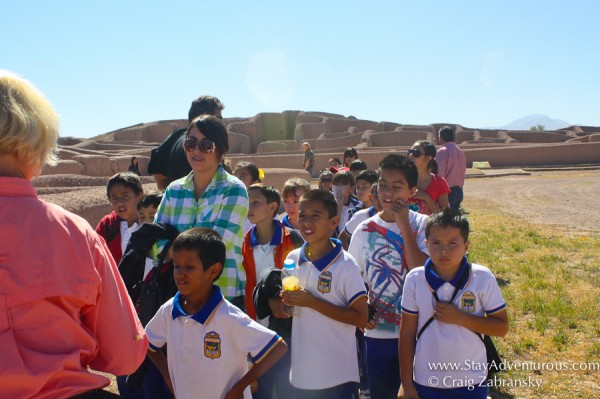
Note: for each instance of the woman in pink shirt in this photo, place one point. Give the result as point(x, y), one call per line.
point(63, 306)
point(433, 190)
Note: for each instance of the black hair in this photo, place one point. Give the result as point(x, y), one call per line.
point(207, 244)
point(350, 152)
point(269, 192)
point(204, 105)
point(344, 177)
point(336, 159)
point(251, 168)
point(374, 188)
point(127, 179)
point(429, 151)
point(212, 128)
point(367, 175)
point(402, 164)
point(447, 134)
point(358, 164)
point(151, 199)
point(448, 217)
point(133, 159)
point(324, 197)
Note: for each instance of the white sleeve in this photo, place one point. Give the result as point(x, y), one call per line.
point(491, 297)
point(252, 338)
point(409, 299)
point(354, 285)
point(356, 248)
point(420, 237)
point(156, 329)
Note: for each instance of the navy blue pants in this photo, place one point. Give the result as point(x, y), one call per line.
point(348, 390)
point(383, 368)
point(275, 383)
point(455, 197)
point(153, 386)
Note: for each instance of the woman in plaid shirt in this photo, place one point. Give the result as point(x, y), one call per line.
point(210, 197)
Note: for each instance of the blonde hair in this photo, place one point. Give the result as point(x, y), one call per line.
point(28, 123)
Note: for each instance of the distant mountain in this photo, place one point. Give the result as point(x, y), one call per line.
point(528, 121)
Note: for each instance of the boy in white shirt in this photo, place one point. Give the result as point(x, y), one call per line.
point(209, 339)
point(386, 246)
point(329, 306)
point(447, 330)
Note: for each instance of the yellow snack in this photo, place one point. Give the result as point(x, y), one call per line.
point(291, 283)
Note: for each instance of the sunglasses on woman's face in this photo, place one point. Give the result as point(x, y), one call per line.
point(326, 179)
point(206, 146)
point(415, 153)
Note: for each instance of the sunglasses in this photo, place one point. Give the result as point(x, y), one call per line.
point(327, 179)
point(206, 146)
point(415, 153)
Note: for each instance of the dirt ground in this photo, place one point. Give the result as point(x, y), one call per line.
point(561, 198)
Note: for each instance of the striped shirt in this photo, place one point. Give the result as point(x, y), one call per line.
point(222, 207)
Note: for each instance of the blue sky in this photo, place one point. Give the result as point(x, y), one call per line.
point(110, 64)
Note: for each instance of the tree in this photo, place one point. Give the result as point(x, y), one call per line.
point(537, 128)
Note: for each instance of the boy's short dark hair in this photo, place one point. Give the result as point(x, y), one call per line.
point(207, 244)
point(324, 197)
point(402, 164)
point(448, 217)
point(374, 188)
point(204, 105)
point(127, 179)
point(151, 199)
point(358, 164)
point(367, 175)
point(269, 192)
point(344, 178)
point(291, 185)
point(446, 133)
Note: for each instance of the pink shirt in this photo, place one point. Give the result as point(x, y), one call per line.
point(63, 305)
point(452, 164)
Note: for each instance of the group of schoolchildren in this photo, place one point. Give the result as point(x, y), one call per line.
point(384, 291)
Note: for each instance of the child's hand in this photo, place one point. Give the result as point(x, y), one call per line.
point(447, 313)
point(409, 393)
point(276, 306)
point(400, 210)
point(299, 297)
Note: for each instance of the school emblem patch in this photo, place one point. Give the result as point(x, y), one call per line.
point(212, 345)
point(324, 285)
point(468, 302)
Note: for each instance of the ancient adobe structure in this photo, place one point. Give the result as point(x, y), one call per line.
point(273, 142)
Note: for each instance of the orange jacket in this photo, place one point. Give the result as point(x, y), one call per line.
point(281, 251)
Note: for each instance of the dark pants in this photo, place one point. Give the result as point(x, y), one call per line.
point(383, 367)
point(275, 383)
point(153, 386)
point(348, 390)
point(455, 197)
point(96, 394)
point(476, 392)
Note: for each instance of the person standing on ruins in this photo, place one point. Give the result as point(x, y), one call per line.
point(168, 162)
point(452, 165)
point(309, 159)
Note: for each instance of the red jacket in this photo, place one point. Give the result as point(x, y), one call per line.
point(285, 246)
point(109, 228)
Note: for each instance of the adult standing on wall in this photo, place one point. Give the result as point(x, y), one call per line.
point(168, 162)
point(309, 158)
point(63, 307)
point(452, 165)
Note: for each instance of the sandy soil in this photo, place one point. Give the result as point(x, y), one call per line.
point(565, 198)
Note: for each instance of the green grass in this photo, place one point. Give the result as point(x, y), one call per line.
point(550, 281)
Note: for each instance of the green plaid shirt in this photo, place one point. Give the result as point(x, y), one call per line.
point(222, 207)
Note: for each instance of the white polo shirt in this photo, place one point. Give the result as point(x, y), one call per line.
point(378, 247)
point(207, 351)
point(323, 349)
point(359, 217)
point(450, 343)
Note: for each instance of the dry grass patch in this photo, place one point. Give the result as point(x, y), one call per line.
point(550, 281)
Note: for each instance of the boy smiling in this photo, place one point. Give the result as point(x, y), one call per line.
point(329, 306)
point(386, 246)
